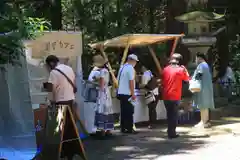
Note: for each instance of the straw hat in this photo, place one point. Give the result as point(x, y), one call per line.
point(99, 61)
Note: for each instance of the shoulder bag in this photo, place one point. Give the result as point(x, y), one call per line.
point(68, 79)
point(119, 77)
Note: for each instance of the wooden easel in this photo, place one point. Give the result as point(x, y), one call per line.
point(67, 112)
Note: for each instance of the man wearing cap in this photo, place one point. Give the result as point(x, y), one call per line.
point(126, 87)
point(172, 77)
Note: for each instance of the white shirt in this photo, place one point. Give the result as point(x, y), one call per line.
point(146, 77)
point(62, 89)
point(126, 73)
point(94, 73)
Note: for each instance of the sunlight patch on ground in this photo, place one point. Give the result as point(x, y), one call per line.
point(231, 119)
point(125, 148)
point(179, 129)
point(155, 139)
point(148, 156)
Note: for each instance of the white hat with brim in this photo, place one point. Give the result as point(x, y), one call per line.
point(133, 57)
point(99, 61)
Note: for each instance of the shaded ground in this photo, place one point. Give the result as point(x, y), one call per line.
point(145, 145)
point(154, 145)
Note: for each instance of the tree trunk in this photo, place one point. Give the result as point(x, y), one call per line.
point(56, 15)
point(120, 16)
point(151, 16)
point(103, 21)
point(174, 8)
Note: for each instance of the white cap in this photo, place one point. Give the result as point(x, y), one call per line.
point(133, 57)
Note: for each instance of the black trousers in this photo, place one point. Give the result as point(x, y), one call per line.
point(172, 116)
point(152, 113)
point(127, 110)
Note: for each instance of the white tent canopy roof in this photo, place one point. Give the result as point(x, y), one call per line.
point(135, 40)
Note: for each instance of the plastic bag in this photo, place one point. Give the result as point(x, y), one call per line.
point(195, 86)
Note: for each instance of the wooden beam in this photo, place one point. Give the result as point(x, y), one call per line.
point(157, 62)
point(124, 57)
point(115, 82)
point(174, 45)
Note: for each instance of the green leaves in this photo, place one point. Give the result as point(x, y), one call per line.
point(234, 49)
point(15, 27)
point(33, 27)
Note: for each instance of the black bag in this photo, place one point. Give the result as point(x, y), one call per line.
point(152, 84)
point(68, 79)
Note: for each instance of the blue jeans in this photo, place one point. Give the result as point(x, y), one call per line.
point(172, 116)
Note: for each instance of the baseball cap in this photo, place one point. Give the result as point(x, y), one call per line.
point(133, 57)
point(176, 56)
point(174, 61)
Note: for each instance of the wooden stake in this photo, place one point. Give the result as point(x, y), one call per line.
point(157, 62)
point(115, 82)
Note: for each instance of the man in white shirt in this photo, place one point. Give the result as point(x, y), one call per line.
point(126, 87)
point(146, 77)
point(61, 83)
point(58, 84)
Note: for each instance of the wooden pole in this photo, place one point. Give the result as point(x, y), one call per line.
point(115, 82)
point(75, 130)
point(174, 45)
point(157, 62)
point(125, 54)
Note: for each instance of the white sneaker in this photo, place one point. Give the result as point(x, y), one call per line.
point(200, 124)
point(207, 125)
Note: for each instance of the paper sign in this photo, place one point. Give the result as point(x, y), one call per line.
point(61, 44)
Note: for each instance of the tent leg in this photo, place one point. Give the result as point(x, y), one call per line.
point(125, 54)
point(157, 62)
point(174, 45)
point(109, 67)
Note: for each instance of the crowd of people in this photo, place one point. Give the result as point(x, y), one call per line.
point(167, 87)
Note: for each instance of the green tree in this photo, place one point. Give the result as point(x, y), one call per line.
point(15, 27)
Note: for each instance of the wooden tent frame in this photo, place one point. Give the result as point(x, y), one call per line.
point(133, 40)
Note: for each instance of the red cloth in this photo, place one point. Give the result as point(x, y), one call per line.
point(172, 77)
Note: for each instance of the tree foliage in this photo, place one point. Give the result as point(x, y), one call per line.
point(102, 19)
point(15, 27)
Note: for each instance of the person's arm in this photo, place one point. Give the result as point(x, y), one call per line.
point(185, 75)
point(199, 73)
point(131, 76)
point(52, 80)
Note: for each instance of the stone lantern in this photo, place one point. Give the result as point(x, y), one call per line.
point(199, 36)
